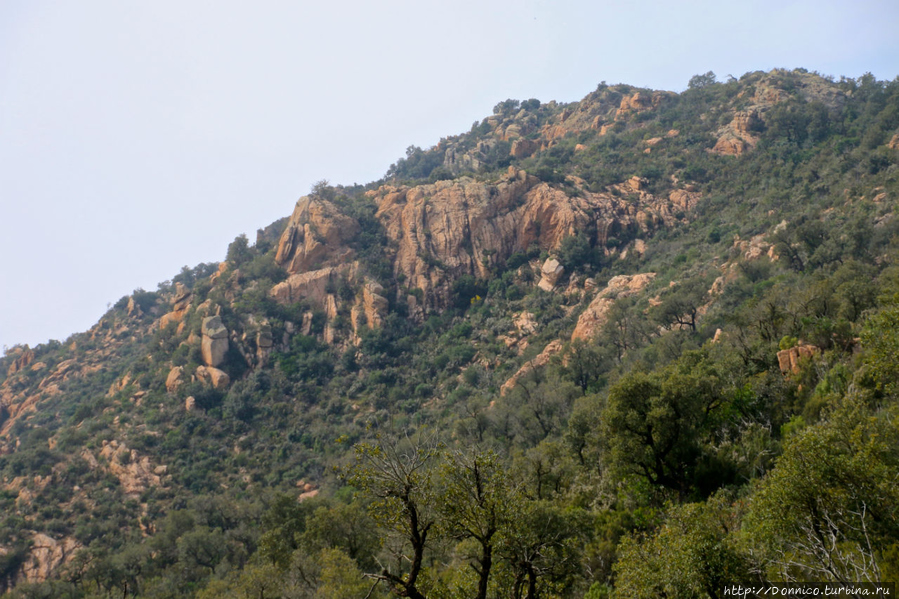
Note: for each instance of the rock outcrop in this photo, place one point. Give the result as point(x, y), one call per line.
point(542, 359)
point(790, 360)
point(738, 136)
point(47, 556)
point(594, 317)
point(214, 344)
point(316, 236)
point(374, 304)
point(450, 228)
point(180, 305)
point(215, 378)
point(174, 379)
point(134, 471)
point(312, 285)
point(441, 231)
point(264, 344)
point(24, 359)
point(550, 274)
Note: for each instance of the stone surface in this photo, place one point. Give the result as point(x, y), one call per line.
point(316, 235)
point(174, 379)
point(214, 344)
point(47, 556)
point(264, 343)
point(789, 360)
point(522, 148)
point(374, 304)
point(542, 359)
point(311, 285)
point(440, 231)
point(450, 228)
point(594, 318)
point(25, 357)
point(133, 309)
point(215, 378)
point(180, 305)
point(550, 274)
point(135, 472)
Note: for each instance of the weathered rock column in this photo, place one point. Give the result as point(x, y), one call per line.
point(215, 341)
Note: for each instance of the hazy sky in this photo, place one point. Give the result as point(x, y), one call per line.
point(139, 137)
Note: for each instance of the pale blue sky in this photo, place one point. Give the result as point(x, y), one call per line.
point(136, 138)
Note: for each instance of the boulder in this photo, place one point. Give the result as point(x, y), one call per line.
point(215, 341)
point(133, 308)
point(215, 378)
point(550, 274)
point(174, 379)
point(25, 358)
point(316, 235)
point(310, 285)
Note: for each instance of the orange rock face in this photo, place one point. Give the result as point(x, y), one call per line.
point(594, 317)
point(542, 359)
point(737, 137)
point(443, 230)
point(315, 236)
point(789, 359)
point(215, 378)
point(26, 357)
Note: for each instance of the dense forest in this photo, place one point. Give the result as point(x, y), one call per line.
point(641, 345)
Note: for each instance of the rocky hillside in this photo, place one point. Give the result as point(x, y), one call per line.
point(630, 314)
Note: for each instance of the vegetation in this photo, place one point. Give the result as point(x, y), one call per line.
point(734, 422)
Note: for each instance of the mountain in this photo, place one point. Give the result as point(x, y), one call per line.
point(642, 343)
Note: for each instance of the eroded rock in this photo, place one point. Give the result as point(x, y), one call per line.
point(215, 378)
point(174, 379)
point(214, 344)
point(550, 274)
point(790, 359)
point(594, 317)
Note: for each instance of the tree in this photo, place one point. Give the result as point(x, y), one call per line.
point(695, 553)
point(239, 251)
point(284, 522)
point(398, 475)
point(506, 107)
point(323, 189)
point(577, 253)
point(831, 503)
point(700, 81)
point(585, 365)
point(345, 526)
point(543, 549)
point(680, 307)
point(880, 340)
point(654, 424)
point(477, 502)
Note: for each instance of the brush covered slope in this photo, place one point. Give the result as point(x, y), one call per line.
point(642, 344)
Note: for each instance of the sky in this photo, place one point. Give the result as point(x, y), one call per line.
point(140, 137)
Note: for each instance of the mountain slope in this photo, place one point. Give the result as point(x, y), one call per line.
point(634, 299)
